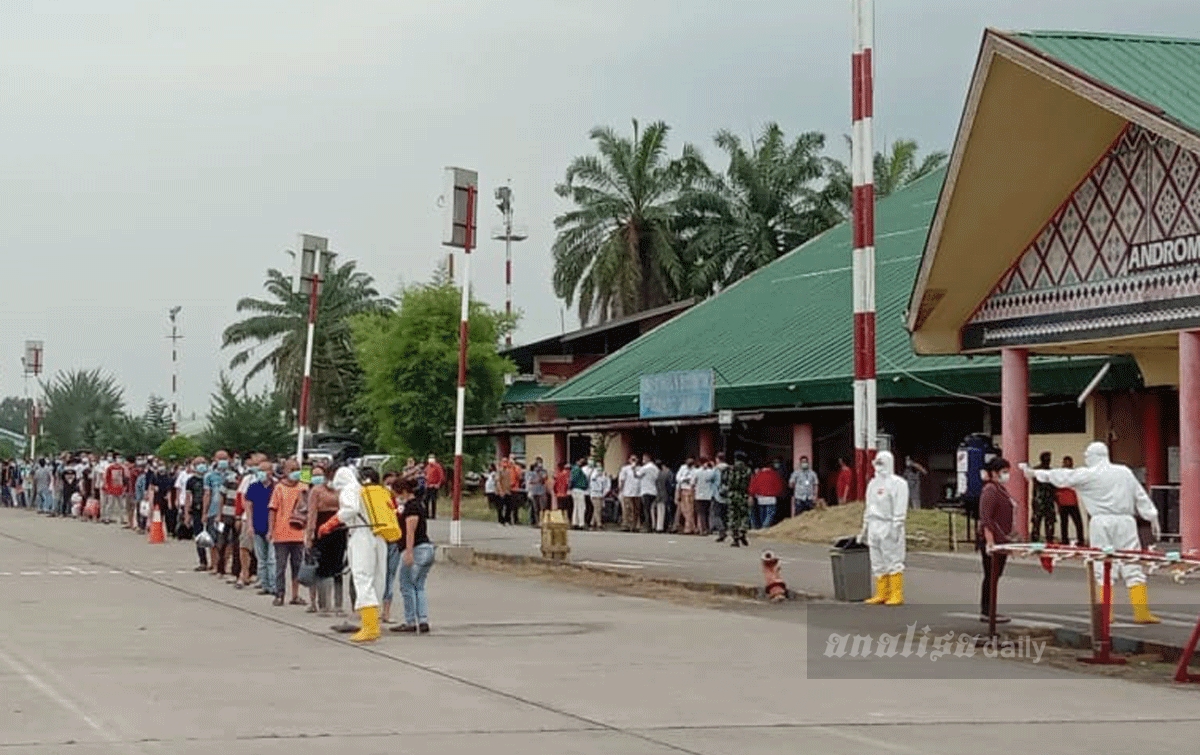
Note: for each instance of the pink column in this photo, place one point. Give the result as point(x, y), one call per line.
point(802, 440)
point(1153, 449)
point(1014, 418)
point(708, 442)
point(1189, 440)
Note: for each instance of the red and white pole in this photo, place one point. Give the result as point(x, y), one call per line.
point(862, 153)
point(461, 399)
point(508, 278)
point(306, 386)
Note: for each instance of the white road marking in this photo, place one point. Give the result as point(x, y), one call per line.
point(1014, 621)
point(878, 745)
point(611, 565)
point(46, 689)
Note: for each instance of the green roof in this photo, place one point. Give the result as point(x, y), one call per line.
point(1163, 72)
point(782, 336)
point(524, 392)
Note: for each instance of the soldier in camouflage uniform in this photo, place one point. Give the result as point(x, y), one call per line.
point(734, 483)
point(1043, 504)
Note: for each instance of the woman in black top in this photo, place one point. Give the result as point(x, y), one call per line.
point(416, 560)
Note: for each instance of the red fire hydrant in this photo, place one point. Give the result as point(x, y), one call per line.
point(774, 586)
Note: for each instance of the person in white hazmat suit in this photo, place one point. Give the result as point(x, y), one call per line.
point(1111, 495)
point(367, 553)
point(883, 530)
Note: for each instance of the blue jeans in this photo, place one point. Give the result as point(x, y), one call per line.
point(265, 553)
point(412, 585)
point(393, 565)
point(766, 515)
point(46, 501)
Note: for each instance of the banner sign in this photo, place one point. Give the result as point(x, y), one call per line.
point(677, 394)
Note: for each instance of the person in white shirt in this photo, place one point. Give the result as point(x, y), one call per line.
point(706, 491)
point(685, 498)
point(598, 486)
point(804, 484)
point(648, 488)
point(631, 491)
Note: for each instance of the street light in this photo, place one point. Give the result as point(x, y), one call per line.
point(175, 339)
point(508, 234)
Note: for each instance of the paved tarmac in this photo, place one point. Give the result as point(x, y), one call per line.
point(947, 580)
point(109, 645)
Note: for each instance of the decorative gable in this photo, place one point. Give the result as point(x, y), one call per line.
point(1121, 256)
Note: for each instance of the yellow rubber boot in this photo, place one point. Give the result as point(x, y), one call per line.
point(881, 592)
point(1140, 601)
point(370, 625)
point(895, 589)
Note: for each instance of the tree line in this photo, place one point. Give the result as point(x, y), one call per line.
point(647, 229)
point(644, 229)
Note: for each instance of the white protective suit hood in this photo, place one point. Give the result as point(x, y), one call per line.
point(1096, 455)
point(344, 478)
point(885, 464)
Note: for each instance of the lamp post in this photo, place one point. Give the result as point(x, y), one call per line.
point(508, 234)
point(313, 260)
point(175, 339)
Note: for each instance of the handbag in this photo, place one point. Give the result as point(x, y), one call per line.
point(299, 518)
point(307, 575)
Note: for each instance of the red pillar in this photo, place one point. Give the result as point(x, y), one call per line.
point(708, 443)
point(802, 440)
point(560, 449)
point(1152, 440)
point(1189, 440)
point(503, 445)
point(1014, 418)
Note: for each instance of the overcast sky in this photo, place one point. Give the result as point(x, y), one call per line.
point(166, 153)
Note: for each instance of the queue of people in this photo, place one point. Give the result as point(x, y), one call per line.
point(291, 532)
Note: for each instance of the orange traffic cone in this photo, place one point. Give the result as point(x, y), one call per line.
point(157, 534)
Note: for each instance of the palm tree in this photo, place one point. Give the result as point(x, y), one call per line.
point(899, 168)
point(766, 203)
point(617, 251)
point(280, 323)
point(81, 407)
point(894, 169)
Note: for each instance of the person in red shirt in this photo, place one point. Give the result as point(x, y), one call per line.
point(114, 489)
point(845, 482)
point(1068, 508)
point(765, 488)
point(434, 477)
point(562, 487)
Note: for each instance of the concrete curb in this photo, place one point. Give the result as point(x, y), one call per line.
point(1081, 640)
point(712, 588)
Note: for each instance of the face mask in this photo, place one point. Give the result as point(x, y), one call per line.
point(260, 475)
point(318, 479)
point(1004, 477)
point(201, 468)
point(222, 464)
point(294, 476)
point(804, 466)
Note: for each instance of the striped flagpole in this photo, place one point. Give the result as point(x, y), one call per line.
point(863, 178)
point(460, 397)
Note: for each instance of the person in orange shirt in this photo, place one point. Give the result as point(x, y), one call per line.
point(287, 540)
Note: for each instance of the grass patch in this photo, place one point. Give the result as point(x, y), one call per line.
point(926, 529)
